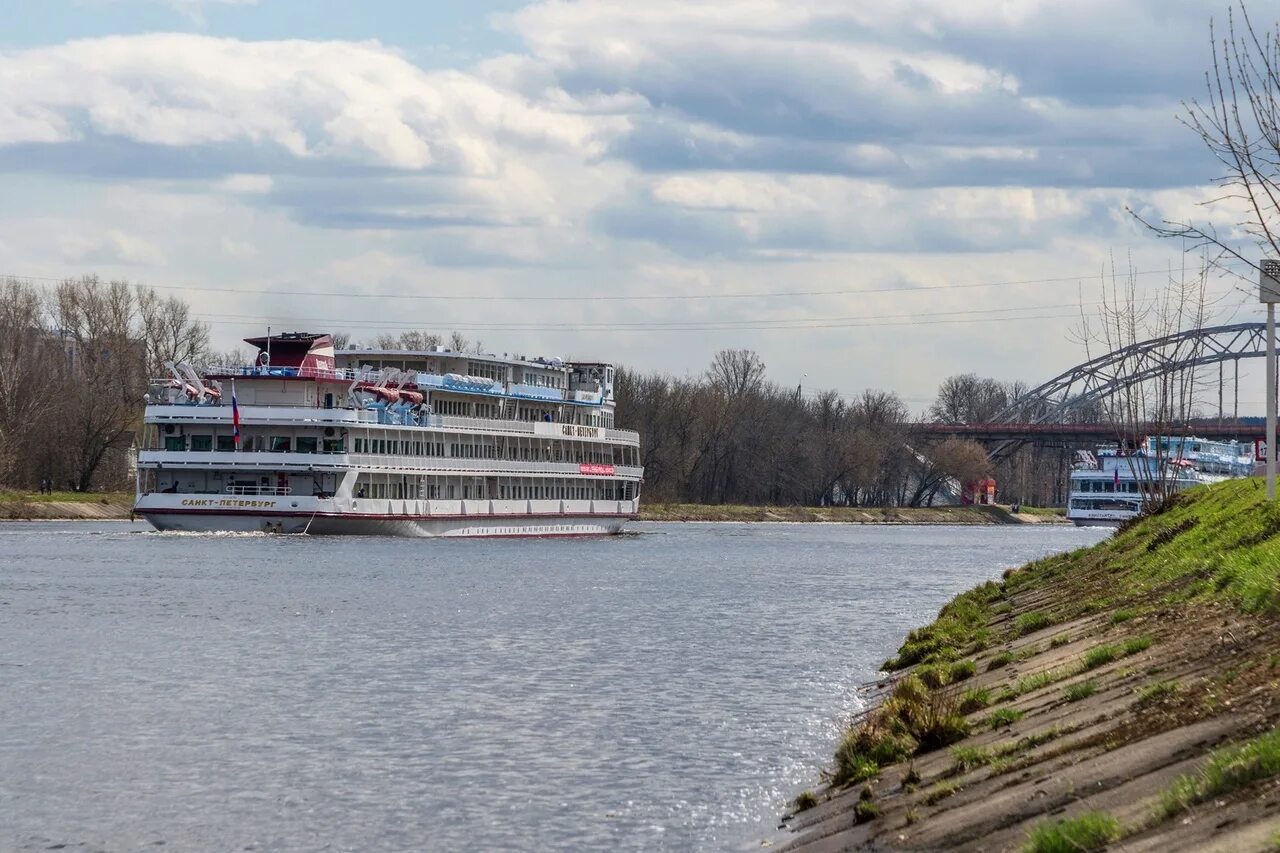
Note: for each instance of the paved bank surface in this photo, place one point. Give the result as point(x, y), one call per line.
point(1126, 694)
point(86, 508)
point(850, 515)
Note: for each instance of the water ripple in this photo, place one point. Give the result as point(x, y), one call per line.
point(671, 690)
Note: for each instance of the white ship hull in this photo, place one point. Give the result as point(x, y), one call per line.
point(1101, 521)
point(422, 519)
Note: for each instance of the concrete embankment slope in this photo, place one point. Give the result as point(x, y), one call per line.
point(102, 509)
point(849, 515)
point(1125, 695)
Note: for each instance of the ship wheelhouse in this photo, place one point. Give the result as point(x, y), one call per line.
point(369, 441)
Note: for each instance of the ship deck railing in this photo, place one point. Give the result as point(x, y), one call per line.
point(446, 382)
point(278, 491)
point(348, 417)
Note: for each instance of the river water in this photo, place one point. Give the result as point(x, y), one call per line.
point(670, 689)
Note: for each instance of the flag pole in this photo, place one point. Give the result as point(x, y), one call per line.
point(235, 419)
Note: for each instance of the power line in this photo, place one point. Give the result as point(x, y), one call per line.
point(782, 322)
point(616, 298)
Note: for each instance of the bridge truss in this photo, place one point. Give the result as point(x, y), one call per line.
point(1086, 384)
point(1083, 386)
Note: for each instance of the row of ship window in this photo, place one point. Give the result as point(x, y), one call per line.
point(553, 452)
point(439, 488)
point(275, 443)
point(620, 455)
point(1108, 486)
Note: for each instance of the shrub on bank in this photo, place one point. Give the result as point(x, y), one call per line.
point(1089, 831)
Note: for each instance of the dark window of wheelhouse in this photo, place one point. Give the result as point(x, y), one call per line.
point(280, 443)
point(307, 444)
point(175, 442)
point(226, 443)
point(202, 443)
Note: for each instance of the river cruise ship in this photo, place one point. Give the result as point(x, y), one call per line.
point(1114, 486)
point(386, 442)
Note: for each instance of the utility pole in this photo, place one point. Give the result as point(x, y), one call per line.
point(1269, 293)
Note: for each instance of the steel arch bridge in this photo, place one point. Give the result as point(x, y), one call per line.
point(1046, 410)
point(1101, 377)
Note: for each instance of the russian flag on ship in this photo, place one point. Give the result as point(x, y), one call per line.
point(235, 417)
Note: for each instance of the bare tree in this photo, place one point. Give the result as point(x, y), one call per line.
point(102, 367)
point(736, 372)
point(968, 399)
point(958, 460)
point(1149, 400)
point(168, 331)
point(24, 396)
point(1239, 123)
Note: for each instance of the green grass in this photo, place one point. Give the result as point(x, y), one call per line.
point(805, 800)
point(1034, 682)
point(865, 810)
point(1100, 656)
point(1108, 652)
point(913, 720)
point(965, 758)
point(1083, 690)
point(1002, 717)
point(1059, 641)
point(940, 792)
point(973, 700)
point(1121, 616)
point(961, 628)
point(1134, 645)
point(1002, 659)
point(67, 497)
point(1227, 769)
point(1089, 831)
point(1218, 543)
point(962, 669)
point(1155, 692)
point(934, 675)
point(1027, 623)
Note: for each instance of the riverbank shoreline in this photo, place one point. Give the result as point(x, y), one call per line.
point(119, 505)
point(111, 506)
point(849, 515)
point(1126, 692)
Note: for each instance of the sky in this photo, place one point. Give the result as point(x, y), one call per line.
point(867, 194)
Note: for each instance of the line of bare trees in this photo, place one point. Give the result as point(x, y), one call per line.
point(74, 363)
point(75, 360)
point(731, 436)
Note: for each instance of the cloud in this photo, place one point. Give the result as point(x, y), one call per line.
point(193, 10)
point(358, 102)
point(623, 148)
point(111, 246)
point(817, 85)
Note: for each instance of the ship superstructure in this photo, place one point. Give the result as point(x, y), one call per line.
point(1115, 485)
point(414, 443)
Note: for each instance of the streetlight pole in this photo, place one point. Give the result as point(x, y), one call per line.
point(1269, 293)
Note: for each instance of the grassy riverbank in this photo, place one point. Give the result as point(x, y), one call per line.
point(1126, 692)
point(16, 506)
point(850, 515)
